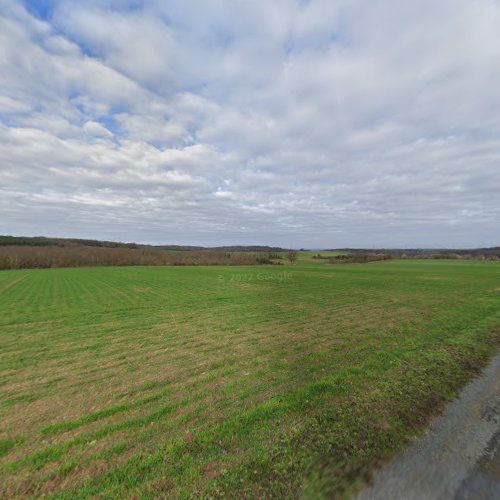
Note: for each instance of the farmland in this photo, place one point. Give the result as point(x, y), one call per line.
point(244, 380)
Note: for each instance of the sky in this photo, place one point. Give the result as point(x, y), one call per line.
point(315, 124)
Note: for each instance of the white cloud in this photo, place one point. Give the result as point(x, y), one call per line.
point(10, 105)
point(287, 122)
point(96, 129)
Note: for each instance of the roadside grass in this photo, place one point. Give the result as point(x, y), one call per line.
point(224, 381)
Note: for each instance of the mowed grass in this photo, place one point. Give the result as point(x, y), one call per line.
point(229, 381)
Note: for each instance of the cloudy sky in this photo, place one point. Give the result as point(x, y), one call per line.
point(320, 123)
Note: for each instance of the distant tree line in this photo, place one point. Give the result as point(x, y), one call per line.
point(358, 258)
point(361, 257)
point(453, 255)
point(42, 241)
point(37, 241)
point(492, 253)
point(33, 257)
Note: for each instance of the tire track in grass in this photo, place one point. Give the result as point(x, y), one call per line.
point(103, 413)
point(4, 288)
point(54, 452)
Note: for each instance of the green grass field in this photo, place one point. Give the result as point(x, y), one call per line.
point(239, 381)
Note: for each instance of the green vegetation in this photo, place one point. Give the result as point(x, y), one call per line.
point(42, 241)
point(248, 381)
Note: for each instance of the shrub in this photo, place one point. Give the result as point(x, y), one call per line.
point(359, 258)
point(31, 257)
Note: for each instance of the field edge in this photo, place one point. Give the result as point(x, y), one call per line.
point(307, 465)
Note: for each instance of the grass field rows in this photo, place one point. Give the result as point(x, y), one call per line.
point(180, 381)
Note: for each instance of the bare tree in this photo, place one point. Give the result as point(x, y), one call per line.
point(292, 256)
point(30, 257)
